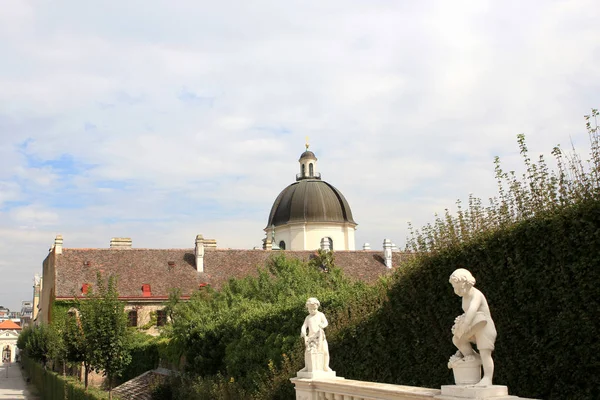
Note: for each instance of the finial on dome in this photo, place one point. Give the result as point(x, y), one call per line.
point(306, 144)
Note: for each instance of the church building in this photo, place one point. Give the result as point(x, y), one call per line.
point(310, 213)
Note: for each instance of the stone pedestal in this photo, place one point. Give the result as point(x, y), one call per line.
point(313, 369)
point(456, 392)
point(316, 374)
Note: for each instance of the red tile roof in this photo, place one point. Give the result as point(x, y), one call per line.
point(9, 325)
point(164, 269)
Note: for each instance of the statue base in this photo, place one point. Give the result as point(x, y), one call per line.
point(456, 392)
point(313, 366)
point(316, 374)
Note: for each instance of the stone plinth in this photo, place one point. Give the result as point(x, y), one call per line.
point(456, 392)
point(316, 374)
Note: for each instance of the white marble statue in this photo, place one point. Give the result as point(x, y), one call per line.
point(474, 326)
point(317, 350)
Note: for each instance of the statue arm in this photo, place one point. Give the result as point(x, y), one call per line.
point(324, 322)
point(473, 307)
point(303, 329)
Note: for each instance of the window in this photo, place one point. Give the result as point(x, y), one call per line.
point(303, 170)
point(146, 292)
point(310, 169)
point(330, 243)
point(282, 245)
point(161, 318)
point(132, 318)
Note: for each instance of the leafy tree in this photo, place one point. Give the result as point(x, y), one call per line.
point(76, 347)
point(37, 345)
point(105, 342)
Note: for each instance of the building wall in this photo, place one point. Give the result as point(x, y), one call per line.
point(9, 338)
point(48, 289)
point(307, 236)
point(143, 314)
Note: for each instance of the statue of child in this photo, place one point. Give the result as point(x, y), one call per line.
point(474, 326)
point(315, 322)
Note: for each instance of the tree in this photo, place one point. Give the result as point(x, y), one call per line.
point(76, 347)
point(105, 342)
point(38, 343)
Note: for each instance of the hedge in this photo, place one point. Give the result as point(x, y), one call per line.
point(542, 281)
point(54, 386)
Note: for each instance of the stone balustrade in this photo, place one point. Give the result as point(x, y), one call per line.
point(347, 389)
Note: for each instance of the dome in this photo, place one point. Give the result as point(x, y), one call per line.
point(308, 154)
point(310, 200)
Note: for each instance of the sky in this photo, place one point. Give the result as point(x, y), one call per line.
point(160, 120)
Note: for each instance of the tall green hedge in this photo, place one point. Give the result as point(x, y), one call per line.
point(542, 280)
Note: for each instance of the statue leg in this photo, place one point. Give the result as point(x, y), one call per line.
point(465, 347)
point(488, 367)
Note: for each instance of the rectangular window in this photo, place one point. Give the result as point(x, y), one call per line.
point(132, 318)
point(161, 318)
point(146, 290)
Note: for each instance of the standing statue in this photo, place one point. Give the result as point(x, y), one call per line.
point(474, 326)
point(316, 355)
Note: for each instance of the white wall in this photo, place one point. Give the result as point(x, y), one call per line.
point(307, 236)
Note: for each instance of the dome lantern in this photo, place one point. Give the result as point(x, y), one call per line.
point(308, 165)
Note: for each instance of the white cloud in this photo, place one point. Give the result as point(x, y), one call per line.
point(190, 120)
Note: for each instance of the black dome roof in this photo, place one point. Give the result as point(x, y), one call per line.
point(310, 200)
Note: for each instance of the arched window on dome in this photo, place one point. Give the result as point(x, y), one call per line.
point(330, 243)
point(282, 245)
point(303, 170)
point(310, 169)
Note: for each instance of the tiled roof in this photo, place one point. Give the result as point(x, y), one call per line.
point(141, 387)
point(9, 325)
point(137, 267)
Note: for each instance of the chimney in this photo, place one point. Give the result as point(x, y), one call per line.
point(366, 246)
point(325, 244)
point(58, 242)
point(210, 243)
point(267, 245)
point(199, 250)
point(120, 243)
point(387, 252)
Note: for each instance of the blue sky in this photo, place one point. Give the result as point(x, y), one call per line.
point(158, 120)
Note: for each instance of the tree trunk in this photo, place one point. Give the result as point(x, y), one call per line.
point(86, 375)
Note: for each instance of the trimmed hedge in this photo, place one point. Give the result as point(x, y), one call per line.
point(54, 386)
point(542, 280)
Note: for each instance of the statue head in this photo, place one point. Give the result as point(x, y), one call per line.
point(462, 280)
point(312, 304)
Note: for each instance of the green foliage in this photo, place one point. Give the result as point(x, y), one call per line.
point(535, 252)
point(37, 343)
point(540, 278)
point(104, 328)
point(151, 322)
point(57, 387)
point(247, 334)
point(538, 191)
point(145, 355)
